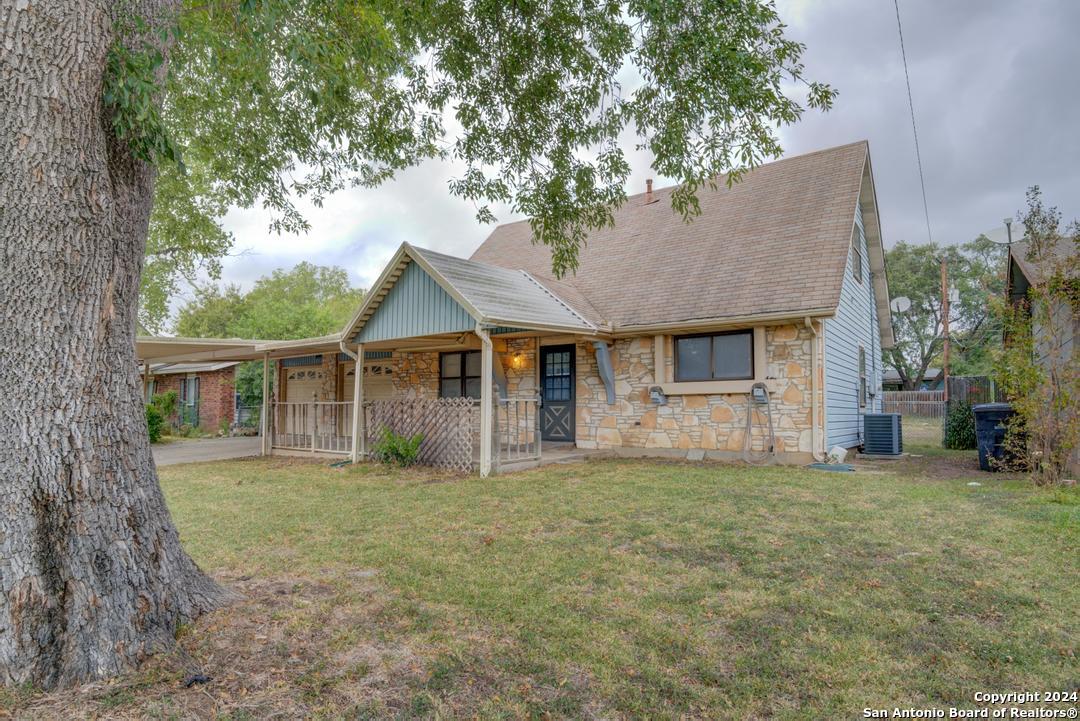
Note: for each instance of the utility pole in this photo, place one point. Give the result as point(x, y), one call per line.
point(945, 325)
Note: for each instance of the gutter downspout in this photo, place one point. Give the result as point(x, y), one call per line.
point(818, 455)
point(603, 365)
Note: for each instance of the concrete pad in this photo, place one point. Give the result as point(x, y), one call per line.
point(205, 449)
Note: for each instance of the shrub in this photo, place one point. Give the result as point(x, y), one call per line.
point(960, 427)
point(395, 449)
point(155, 423)
point(165, 403)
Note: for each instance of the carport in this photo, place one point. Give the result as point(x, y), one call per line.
point(159, 349)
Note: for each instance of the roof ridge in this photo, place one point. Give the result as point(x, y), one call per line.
point(719, 176)
point(558, 300)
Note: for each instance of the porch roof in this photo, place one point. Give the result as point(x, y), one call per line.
point(167, 350)
point(463, 292)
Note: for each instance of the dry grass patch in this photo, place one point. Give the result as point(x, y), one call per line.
point(612, 589)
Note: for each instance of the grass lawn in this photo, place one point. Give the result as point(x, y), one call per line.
point(612, 589)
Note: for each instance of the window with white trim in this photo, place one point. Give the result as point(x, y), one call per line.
point(725, 356)
point(856, 255)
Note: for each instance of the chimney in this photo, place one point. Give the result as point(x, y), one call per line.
point(648, 191)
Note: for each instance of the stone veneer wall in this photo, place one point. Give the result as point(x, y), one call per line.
point(416, 375)
point(712, 423)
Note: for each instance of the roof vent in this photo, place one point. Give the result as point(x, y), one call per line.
point(648, 191)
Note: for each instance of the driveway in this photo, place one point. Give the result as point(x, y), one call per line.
point(209, 449)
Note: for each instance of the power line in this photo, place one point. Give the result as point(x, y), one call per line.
point(914, 130)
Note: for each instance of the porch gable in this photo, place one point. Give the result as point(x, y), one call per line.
point(415, 305)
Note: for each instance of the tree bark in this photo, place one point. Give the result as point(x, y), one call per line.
point(92, 575)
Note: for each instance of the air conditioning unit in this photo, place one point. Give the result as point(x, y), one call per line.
point(882, 434)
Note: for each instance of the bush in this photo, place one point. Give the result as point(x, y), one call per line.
point(165, 403)
point(960, 428)
point(155, 423)
point(395, 449)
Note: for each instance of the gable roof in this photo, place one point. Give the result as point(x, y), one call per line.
point(1033, 269)
point(775, 244)
point(489, 294)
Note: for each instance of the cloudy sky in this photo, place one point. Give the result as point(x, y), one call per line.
point(995, 91)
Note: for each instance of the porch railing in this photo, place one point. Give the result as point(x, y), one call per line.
point(315, 426)
point(449, 427)
point(516, 430)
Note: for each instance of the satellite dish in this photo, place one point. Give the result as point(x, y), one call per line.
point(900, 305)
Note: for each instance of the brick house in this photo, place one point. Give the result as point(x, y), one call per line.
point(206, 392)
point(754, 331)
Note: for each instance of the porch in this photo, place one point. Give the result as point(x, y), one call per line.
point(441, 347)
point(450, 428)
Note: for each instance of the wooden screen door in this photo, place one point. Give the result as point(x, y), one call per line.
point(557, 388)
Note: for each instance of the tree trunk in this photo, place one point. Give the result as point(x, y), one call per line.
point(92, 575)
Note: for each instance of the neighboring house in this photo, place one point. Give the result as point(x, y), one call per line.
point(1056, 344)
point(654, 344)
point(1022, 274)
point(206, 392)
point(933, 380)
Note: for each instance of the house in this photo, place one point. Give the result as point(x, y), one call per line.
point(205, 391)
point(1056, 343)
point(933, 380)
point(654, 346)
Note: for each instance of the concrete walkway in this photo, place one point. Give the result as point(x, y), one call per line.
point(209, 449)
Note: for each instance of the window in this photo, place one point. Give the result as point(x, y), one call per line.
point(862, 377)
point(459, 375)
point(856, 254)
point(189, 390)
point(715, 357)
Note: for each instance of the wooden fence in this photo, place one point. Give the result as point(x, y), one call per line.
point(928, 404)
point(448, 426)
point(968, 390)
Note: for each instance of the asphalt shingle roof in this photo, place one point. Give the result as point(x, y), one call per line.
point(774, 243)
point(505, 295)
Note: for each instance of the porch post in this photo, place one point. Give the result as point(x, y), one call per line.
point(485, 401)
point(146, 383)
point(359, 437)
point(264, 415)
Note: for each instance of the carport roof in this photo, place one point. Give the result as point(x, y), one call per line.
point(158, 349)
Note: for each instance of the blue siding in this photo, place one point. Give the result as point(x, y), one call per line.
point(415, 306)
point(306, 360)
point(855, 325)
point(368, 355)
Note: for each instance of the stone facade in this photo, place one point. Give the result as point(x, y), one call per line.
point(687, 425)
point(715, 424)
point(416, 375)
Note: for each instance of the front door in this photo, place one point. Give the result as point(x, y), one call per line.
point(557, 389)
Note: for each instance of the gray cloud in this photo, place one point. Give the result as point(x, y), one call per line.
point(994, 85)
point(994, 91)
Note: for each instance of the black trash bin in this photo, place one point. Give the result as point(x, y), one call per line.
point(990, 423)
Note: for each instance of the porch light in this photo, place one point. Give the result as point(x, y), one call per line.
point(517, 361)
